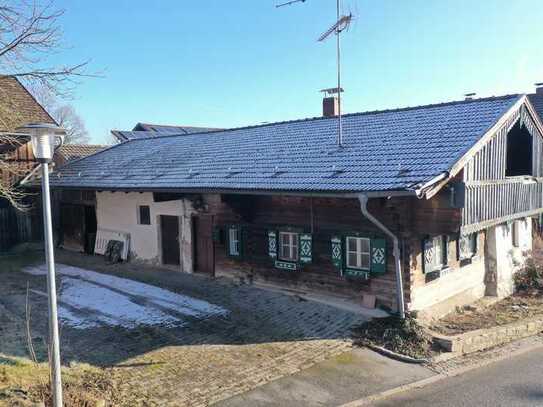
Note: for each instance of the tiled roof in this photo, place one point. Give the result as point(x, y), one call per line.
point(18, 107)
point(145, 130)
point(69, 152)
point(383, 151)
point(162, 128)
point(537, 101)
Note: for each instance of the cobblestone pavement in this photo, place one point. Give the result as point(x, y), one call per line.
point(265, 336)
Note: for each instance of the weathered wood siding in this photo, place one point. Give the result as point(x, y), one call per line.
point(324, 218)
point(490, 196)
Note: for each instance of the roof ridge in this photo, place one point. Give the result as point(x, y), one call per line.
point(316, 118)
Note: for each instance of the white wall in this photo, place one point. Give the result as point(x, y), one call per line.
point(119, 211)
point(490, 272)
point(468, 280)
point(506, 258)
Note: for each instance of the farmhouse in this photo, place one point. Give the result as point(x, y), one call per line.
point(433, 205)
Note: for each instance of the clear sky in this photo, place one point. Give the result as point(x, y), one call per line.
point(225, 63)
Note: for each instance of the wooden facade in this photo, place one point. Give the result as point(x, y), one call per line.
point(497, 190)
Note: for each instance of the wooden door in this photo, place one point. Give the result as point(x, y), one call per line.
point(169, 227)
point(204, 253)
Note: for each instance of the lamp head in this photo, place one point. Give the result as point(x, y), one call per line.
point(45, 138)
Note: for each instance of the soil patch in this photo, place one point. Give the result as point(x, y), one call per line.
point(406, 337)
point(519, 306)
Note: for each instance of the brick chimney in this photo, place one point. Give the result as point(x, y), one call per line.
point(330, 106)
point(539, 88)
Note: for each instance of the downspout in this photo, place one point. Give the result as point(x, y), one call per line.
point(363, 198)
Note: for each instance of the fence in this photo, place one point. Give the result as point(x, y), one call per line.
point(18, 227)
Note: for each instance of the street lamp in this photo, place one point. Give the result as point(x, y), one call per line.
point(45, 137)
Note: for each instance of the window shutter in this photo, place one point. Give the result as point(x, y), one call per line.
point(378, 256)
point(306, 248)
point(337, 252)
point(242, 239)
point(428, 254)
point(272, 244)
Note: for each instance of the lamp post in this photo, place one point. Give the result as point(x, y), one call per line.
point(45, 138)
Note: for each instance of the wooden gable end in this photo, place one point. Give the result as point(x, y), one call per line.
point(503, 179)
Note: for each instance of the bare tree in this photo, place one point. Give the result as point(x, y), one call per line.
point(30, 34)
point(64, 114)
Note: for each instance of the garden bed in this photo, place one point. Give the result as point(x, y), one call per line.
point(520, 306)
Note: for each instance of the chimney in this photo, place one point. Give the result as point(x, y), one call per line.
point(539, 88)
point(330, 106)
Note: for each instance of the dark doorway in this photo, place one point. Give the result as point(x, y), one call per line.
point(204, 250)
point(90, 229)
point(519, 151)
point(169, 227)
point(73, 227)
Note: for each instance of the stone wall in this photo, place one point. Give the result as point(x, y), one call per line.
point(486, 338)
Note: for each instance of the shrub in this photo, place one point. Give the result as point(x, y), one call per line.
point(530, 277)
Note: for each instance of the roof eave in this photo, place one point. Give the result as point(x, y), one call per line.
point(316, 193)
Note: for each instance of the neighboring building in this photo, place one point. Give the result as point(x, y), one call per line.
point(71, 152)
point(146, 130)
point(17, 108)
point(459, 184)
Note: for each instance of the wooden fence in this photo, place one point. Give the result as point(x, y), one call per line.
point(18, 227)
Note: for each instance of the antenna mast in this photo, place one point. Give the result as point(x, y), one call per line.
point(342, 23)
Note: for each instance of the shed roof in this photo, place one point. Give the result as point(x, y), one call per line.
point(383, 151)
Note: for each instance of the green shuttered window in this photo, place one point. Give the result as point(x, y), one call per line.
point(357, 257)
point(290, 249)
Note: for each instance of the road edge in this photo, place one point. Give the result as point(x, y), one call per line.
point(365, 401)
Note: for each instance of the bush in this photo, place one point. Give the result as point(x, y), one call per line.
point(530, 277)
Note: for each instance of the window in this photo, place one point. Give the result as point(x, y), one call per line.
point(144, 215)
point(234, 241)
point(435, 253)
point(358, 253)
point(518, 227)
point(288, 246)
point(467, 246)
point(519, 151)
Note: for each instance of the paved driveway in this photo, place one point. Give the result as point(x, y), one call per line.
point(180, 339)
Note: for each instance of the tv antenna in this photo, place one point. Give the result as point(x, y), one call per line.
point(289, 3)
point(342, 23)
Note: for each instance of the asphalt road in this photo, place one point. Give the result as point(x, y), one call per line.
point(514, 382)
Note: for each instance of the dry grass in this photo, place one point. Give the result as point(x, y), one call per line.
point(23, 383)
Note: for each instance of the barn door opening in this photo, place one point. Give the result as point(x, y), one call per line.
point(169, 229)
point(90, 229)
point(204, 250)
point(73, 227)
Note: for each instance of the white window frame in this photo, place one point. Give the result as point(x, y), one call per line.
point(358, 252)
point(234, 238)
point(288, 250)
point(472, 246)
point(440, 255)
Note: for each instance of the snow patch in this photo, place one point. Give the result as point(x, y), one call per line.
point(88, 299)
